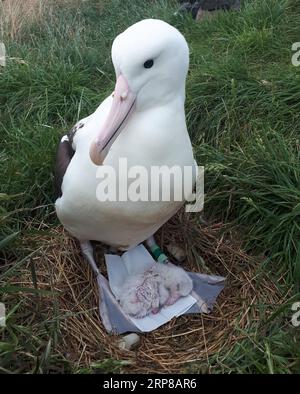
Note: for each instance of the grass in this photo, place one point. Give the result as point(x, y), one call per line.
point(15, 15)
point(243, 114)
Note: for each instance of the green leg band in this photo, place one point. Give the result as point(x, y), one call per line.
point(158, 254)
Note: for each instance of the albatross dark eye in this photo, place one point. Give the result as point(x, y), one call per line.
point(148, 63)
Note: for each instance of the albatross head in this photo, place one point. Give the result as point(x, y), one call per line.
point(151, 61)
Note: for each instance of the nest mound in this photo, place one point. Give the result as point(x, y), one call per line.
point(182, 345)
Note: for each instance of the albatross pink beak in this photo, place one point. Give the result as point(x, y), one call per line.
point(122, 105)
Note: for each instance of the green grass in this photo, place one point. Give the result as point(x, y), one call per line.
point(243, 113)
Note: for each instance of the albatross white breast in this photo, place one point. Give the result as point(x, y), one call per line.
point(143, 121)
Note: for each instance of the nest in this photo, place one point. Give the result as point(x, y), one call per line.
point(181, 345)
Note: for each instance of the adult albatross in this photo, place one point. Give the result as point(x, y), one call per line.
point(143, 121)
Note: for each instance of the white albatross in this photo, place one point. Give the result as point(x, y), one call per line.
point(142, 121)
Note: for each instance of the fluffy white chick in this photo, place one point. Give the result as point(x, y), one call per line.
point(159, 286)
point(143, 294)
point(175, 280)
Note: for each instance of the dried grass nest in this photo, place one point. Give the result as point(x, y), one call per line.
point(175, 347)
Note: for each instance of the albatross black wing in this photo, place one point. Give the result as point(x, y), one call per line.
point(64, 155)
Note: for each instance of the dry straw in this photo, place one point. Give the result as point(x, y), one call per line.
point(175, 347)
point(15, 14)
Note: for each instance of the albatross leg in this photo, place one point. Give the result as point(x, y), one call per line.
point(128, 341)
point(175, 251)
point(156, 251)
point(88, 252)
